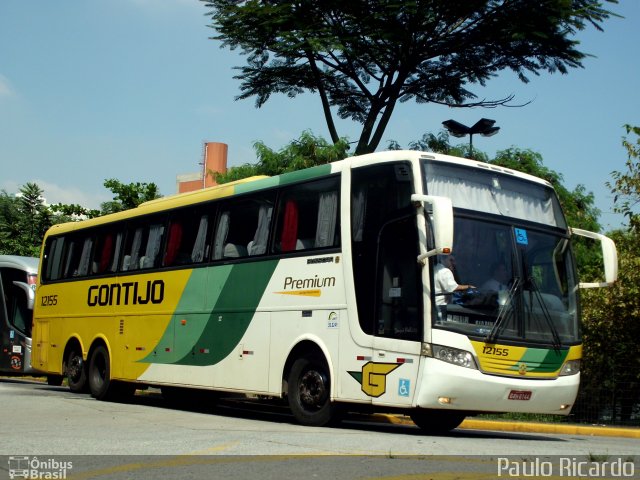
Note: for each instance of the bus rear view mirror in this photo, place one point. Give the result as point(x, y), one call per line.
point(609, 258)
point(29, 293)
point(440, 209)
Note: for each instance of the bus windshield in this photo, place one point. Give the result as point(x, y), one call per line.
point(522, 285)
point(517, 279)
point(494, 191)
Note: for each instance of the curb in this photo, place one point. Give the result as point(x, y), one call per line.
point(526, 427)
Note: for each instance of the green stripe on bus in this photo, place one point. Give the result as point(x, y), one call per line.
point(284, 179)
point(542, 360)
point(232, 313)
point(179, 337)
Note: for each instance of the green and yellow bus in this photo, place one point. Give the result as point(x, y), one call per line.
point(322, 286)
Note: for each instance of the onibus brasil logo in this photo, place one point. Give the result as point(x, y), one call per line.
point(33, 467)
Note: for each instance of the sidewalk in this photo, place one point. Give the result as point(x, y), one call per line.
point(528, 427)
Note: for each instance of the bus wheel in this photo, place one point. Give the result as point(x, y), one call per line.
point(99, 373)
point(308, 392)
point(437, 421)
point(76, 371)
point(99, 378)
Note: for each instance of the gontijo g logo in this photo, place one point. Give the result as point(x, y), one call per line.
point(373, 377)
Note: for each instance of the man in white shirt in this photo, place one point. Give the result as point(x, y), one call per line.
point(444, 282)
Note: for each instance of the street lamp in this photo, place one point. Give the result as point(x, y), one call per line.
point(484, 127)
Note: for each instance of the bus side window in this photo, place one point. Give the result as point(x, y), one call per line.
point(258, 246)
point(53, 258)
point(132, 249)
point(308, 217)
point(77, 257)
point(142, 247)
point(103, 255)
point(152, 248)
point(186, 239)
point(174, 241)
point(85, 258)
point(243, 228)
point(327, 216)
point(289, 233)
point(200, 249)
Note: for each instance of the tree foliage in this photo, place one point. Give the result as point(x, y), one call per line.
point(362, 57)
point(578, 204)
point(25, 218)
point(626, 185)
point(440, 143)
point(72, 212)
point(305, 152)
point(611, 329)
point(611, 374)
point(128, 195)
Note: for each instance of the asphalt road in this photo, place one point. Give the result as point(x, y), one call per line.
point(146, 438)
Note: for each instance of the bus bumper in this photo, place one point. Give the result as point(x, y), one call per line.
point(447, 386)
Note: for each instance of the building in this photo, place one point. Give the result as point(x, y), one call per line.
point(214, 159)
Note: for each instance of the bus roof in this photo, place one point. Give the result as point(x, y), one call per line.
point(395, 155)
point(255, 183)
point(28, 264)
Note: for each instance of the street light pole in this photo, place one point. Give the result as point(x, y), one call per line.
point(484, 127)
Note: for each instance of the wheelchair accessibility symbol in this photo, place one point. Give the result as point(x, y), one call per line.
point(521, 236)
point(404, 387)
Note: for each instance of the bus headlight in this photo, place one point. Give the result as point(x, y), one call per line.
point(454, 356)
point(570, 367)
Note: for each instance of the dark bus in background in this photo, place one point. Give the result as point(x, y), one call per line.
point(18, 287)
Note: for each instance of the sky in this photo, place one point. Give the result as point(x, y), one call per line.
point(131, 89)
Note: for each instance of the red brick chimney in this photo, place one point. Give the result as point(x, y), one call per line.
point(214, 160)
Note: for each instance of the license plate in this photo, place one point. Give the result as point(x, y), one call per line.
point(520, 395)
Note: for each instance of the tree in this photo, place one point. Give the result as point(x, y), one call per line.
point(37, 215)
point(611, 372)
point(129, 195)
point(610, 383)
point(24, 218)
point(362, 57)
point(578, 205)
point(434, 143)
point(305, 152)
point(72, 212)
point(9, 225)
point(626, 186)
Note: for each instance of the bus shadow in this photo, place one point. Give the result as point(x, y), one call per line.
point(276, 411)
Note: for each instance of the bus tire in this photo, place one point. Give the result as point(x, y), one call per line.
point(99, 373)
point(76, 371)
point(99, 378)
point(309, 392)
point(437, 421)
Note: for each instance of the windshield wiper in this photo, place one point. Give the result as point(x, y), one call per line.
point(557, 342)
point(506, 311)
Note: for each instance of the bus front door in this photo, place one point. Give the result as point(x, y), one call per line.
point(398, 336)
